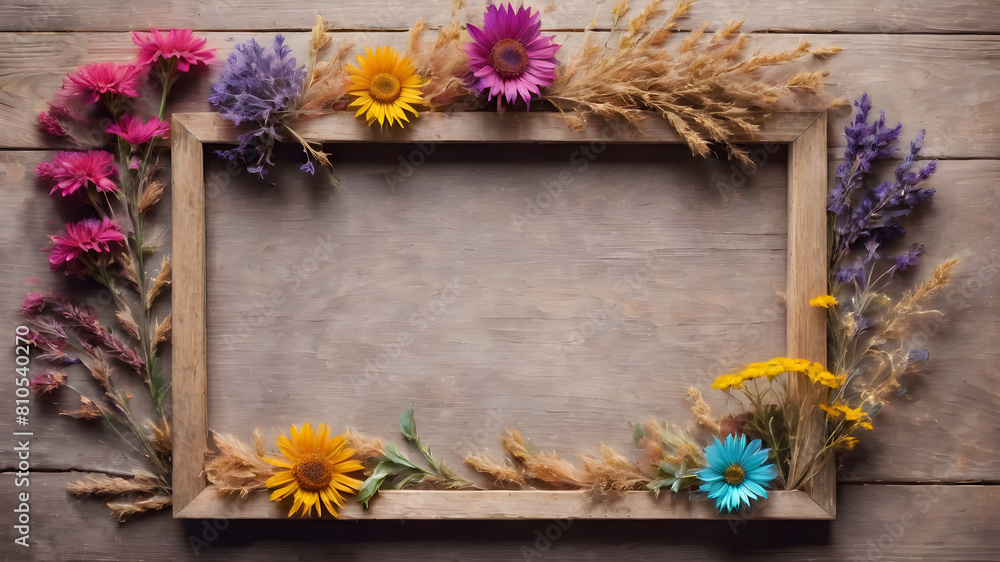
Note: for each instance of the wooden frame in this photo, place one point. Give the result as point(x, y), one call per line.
point(805, 133)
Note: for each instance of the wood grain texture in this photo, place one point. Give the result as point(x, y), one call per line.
point(488, 127)
point(853, 16)
point(504, 505)
point(943, 430)
point(924, 436)
point(875, 522)
point(944, 84)
point(507, 289)
point(188, 297)
point(807, 279)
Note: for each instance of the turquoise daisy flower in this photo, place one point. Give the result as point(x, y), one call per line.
point(736, 472)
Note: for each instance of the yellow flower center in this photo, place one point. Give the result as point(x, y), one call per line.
point(313, 472)
point(509, 58)
point(384, 87)
point(734, 475)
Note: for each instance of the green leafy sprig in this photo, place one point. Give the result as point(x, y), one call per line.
point(400, 472)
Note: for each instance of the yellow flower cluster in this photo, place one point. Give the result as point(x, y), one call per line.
point(775, 367)
point(826, 301)
point(857, 415)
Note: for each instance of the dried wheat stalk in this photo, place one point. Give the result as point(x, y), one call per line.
point(705, 90)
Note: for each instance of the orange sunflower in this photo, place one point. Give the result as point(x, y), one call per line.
point(316, 470)
point(385, 85)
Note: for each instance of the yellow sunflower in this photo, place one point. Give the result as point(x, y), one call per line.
point(316, 472)
point(385, 86)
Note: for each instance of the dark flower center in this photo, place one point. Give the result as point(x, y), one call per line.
point(734, 475)
point(509, 58)
point(313, 472)
point(384, 87)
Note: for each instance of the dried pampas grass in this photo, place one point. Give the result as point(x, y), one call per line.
point(506, 475)
point(443, 63)
point(238, 469)
point(894, 363)
point(115, 486)
point(365, 447)
point(326, 81)
point(609, 472)
point(162, 281)
point(125, 510)
point(704, 90)
point(152, 493)
point(612, 472)
point(703, 412)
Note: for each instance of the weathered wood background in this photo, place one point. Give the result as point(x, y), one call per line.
point(921, 485)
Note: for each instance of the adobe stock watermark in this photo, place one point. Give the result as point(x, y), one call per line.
point(417, 323)
point(899, 15)
point(292, 278)
point(729, 187)
point(627, 288)
point(486, 432)
point(895, 531)
point(407, 165)
point(545, 538)
point(580, 161)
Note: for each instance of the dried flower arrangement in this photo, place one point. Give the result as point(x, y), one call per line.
point(709, 91)
point(706, 91)
point(112, 248)
point(730, 459)
point(872, 332)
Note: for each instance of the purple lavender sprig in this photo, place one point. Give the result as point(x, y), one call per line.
point(865, 215)
point(260, 86)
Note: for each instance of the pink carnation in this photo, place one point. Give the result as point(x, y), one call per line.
point(74, 170)
point(93, 80)
point(88, 235)
point(179, 43)
point(135, 132)
point(50, 125)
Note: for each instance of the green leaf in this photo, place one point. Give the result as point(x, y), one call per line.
point(408, 426)
point(637, 432)
point(405, 480)
point(383, 469)
point(657, 485)
point(392, 453)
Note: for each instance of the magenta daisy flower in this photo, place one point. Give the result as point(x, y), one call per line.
point(509, 57)
point(88, 235)
point(92, 81)
point(179, 43)
point(135, 132)
point(74, 170)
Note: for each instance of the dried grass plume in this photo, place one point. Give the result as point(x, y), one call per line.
point(443, 63)
point(704, 89)
point(238, 469)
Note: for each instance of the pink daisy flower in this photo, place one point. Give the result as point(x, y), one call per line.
point(179, 43)
point(88, 235)
point(74, 170)
point(509, 57)
point(94, 80)
point(135, 132)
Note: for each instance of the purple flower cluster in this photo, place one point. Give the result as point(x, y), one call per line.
point(865, 215)
point(259, 86)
